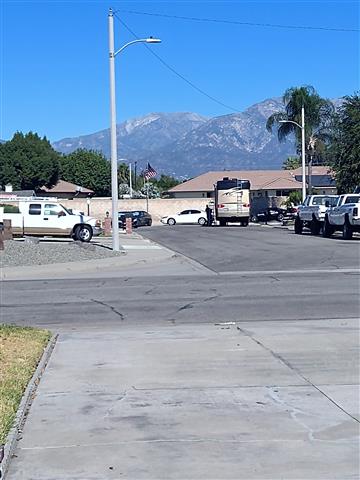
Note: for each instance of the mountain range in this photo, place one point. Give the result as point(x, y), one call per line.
point(187, 144)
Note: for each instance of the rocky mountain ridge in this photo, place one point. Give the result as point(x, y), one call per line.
point(187, 144)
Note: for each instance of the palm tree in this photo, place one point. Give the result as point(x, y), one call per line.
point(319, 114)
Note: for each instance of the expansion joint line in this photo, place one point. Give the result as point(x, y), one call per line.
point(295, 370)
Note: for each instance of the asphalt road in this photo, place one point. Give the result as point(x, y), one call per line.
point(254, 273)
point(256, 248)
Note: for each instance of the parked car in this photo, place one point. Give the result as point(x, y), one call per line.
point(273, 213)
point(139, 218)
point(186, 217)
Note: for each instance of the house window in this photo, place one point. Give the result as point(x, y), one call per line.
point(278, 193)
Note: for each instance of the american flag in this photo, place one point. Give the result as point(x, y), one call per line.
point(149, 172)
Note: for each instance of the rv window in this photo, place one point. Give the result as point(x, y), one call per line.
point(35, 209)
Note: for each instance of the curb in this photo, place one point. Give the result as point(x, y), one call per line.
point(24, 408)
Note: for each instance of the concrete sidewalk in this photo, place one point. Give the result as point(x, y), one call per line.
point(250, 401)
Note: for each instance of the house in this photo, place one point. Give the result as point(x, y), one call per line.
point(9, 193)
point(65, 190)
point(322, 179)
point(61, 190)
point(264, 183)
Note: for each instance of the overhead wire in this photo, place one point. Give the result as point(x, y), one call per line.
point(172, 69)
point(235, 22)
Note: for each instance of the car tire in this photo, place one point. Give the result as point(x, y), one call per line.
point(222, 222)
point(327, 229)
point(280, 217)
point(315, 227)
point(298, 226)
point(171, 221)
point(347, 230)
point(202, 221)
point(83, 233)
point(254, 219)
point(149, 223)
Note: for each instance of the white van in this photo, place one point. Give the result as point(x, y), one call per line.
point(47, 217)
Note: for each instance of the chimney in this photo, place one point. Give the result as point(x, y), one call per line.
point(8, 188)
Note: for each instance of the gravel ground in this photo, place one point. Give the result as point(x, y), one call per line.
point(20, 253)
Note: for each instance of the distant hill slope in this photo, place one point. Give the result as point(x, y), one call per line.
point(187, 144)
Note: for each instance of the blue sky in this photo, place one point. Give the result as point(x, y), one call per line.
point(54, 59)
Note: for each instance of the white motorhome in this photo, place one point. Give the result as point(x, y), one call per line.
point(40, 216)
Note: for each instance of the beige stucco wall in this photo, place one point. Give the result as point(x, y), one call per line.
point(158, 207)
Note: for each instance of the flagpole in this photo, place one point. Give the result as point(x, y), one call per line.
point(147, 197)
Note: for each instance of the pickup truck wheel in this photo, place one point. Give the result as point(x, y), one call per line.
point(222, 222)
point(327, 230)
point(314, 227)
point(298, 226)
point(83, 233)
point(347, 231)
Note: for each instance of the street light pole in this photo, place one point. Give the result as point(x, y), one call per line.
point(113, 156)
point(302, 127)
point(303, 152)
point(113, 138)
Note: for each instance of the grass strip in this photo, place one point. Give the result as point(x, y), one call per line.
point(20, 351)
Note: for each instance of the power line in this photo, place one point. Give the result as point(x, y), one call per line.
point(234, 22)
point(172, 69)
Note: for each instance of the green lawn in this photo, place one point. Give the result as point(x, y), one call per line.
point(20, 351)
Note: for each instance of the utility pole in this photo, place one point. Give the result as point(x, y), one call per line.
point(135, 179)
point(114, 166)
point(130, 181)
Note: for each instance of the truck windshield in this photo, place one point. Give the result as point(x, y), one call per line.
point(352, 199)
point(320, 200)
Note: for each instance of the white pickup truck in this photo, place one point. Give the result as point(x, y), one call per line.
point(311, 213)
point(47, 217)
point(345, 216)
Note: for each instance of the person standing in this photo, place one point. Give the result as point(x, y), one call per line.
point(209, 216)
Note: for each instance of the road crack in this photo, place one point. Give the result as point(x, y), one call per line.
point(113, 309)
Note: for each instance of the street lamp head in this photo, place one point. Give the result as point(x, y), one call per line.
point(153, 40)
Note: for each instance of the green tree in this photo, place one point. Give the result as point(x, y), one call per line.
point(291, 163)
point(344, 150)
point(166, 182)
point(319, 115)
point(123, 173)
point(294, 198)
point(28, 162)
point(89, 169)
